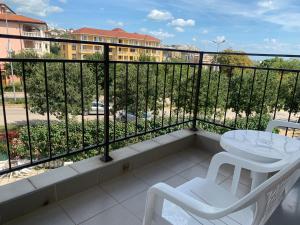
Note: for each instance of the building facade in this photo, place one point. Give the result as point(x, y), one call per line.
point(14, 24)
point(81, 51)
point(186, 56)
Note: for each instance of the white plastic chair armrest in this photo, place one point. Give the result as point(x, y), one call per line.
point(281, 123)
point(184, 201)
point(226, 158)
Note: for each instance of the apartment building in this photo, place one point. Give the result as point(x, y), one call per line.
point(14, 24)
point(117, 35)
point(185, 56)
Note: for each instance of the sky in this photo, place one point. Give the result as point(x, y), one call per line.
point(260, 26)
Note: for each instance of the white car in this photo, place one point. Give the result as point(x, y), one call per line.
point(93, 109)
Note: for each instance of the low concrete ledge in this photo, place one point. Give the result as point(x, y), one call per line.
point(24, 196)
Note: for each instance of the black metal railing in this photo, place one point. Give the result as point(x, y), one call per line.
point(140, 98)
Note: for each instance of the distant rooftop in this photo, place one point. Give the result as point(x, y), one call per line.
point(8, 14)
point(117, 32)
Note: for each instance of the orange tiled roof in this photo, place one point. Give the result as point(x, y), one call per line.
point(18, 18)
point(117, 32)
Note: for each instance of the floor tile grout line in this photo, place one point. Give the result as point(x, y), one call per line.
point(97, 214)
point(66, 213)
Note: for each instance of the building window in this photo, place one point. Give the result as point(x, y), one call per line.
point(97, 48)
point(120, 41)
point(120, 50)
point(120, 57)
point(110, 49)
point(73, 47)
point(131, 58)
point(132, 50)
point(96, 39)
point(84, 38)
point(64, 47)
point(153, 51)
point(73, 56)
point(46, 46)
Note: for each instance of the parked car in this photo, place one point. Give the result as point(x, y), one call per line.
point(100, 105)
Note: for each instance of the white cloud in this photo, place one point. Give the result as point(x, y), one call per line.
point(161, 34)
point(159, 15)
point(179, 29)
point(144, 30)
point(270, 40)
point(194, 39)
point(115, 23)
point(36, 7)
point(182, 22)
point(204, 31)
point(282, 13)
point(266, 4)
point(220, 39)
point(63, 1)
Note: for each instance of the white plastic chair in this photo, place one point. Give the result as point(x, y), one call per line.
point(286, 124)
point(281, 123)
point(203, 201)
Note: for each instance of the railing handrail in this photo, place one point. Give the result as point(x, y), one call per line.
point(109, 73)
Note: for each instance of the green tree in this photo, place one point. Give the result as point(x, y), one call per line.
point(38, 72)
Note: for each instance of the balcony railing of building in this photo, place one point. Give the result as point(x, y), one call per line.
point(31, 34)
point(140, 98)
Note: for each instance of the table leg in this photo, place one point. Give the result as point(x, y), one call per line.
point(257, 179)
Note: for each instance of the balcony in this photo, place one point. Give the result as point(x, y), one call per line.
point(31, 34)
point(123, 154)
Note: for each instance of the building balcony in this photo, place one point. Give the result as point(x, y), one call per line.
point(31, 34)
point(132, 125)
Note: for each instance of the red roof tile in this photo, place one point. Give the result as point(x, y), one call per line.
point(18, 18)
point(117, 32)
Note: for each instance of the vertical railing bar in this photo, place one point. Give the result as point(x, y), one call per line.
point(5, 121)
point(164, 97)
point(155, 98)
point(115, 96)
point(293, 135)
point(97, 103)
point(66, 106)
point(250, 99)
point(217, 95)
point(26, 110)
point(263, 99)
point(186, 92)
point(172, 88)
point(106, 157)
point(126, 98)
point(82, 105)
point(238, 99)
point(277, 98)
point(192, 93)
point(179, 94)
point(293, 100)
point(227, 96)
point(207, 92)
point(48, 113)
point(197, 92)
point(147, 95)
point(137, 97)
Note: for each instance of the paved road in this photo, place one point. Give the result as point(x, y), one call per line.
point(17, 115)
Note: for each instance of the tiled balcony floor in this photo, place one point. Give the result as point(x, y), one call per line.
point(121, 201)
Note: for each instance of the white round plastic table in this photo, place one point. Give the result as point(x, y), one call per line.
point(260, 146)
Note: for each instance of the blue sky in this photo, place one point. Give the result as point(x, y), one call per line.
point(264, 26)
